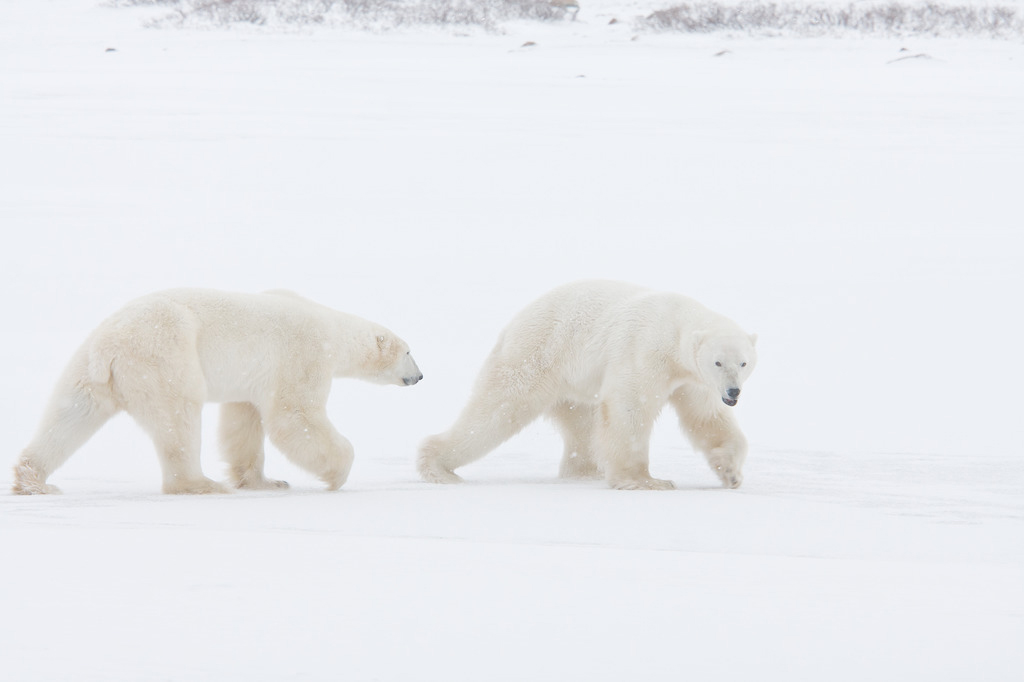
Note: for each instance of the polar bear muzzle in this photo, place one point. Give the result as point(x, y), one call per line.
point(410, 373)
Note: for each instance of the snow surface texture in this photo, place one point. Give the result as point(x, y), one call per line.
point(859, 210)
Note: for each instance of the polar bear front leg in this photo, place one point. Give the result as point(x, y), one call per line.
point(623, 437)
point(309, 440)
point(713, 429)
point(241, 444)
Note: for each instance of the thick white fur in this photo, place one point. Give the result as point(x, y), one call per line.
point(602, 359)
point(269, 358)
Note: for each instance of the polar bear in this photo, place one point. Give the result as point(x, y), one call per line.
point(602, 359)
point(269, 358)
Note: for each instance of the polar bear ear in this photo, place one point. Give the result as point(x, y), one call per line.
point(753, 339)
point(699, 337)
point(382, 342)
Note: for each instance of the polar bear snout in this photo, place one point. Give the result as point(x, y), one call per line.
point(410, 372)
point(731, 397)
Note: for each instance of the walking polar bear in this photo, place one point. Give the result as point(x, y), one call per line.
point(269, 358)
point(602, 359)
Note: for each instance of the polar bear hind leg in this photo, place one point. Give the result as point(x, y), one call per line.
point(498, 409)
point(478, 430)
point(174, 425)
point(714, 431)
point(162, 387)
point(76, 411)
point(241, 444)
point(576, 423)
point(310, 441)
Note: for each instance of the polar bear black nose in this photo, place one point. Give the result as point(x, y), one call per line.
point(733, 392)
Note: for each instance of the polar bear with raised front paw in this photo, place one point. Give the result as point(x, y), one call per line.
point(602, 359)
point(269, 358)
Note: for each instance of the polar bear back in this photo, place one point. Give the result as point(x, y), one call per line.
point(240, 342)
point(579, 329)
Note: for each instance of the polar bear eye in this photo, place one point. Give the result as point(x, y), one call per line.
point(743, 364)
point(718, 364)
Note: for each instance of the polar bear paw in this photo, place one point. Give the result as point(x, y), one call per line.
point(198, 486)
point(259, 482)
point(431, 462)
point(334, 479)
point(727, 463)
point(731, 478)
point(434, 473)
point(27, 481)
point(645, 483)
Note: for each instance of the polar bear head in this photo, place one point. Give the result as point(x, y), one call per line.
point(390, 361)
point(724, 362)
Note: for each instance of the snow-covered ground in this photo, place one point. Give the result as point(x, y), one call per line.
point(859, 210)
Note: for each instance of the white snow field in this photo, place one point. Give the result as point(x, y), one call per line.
point(854, 200)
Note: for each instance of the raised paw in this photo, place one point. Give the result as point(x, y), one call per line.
point(731, 478)
point(727, 463)
point(334, 478)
